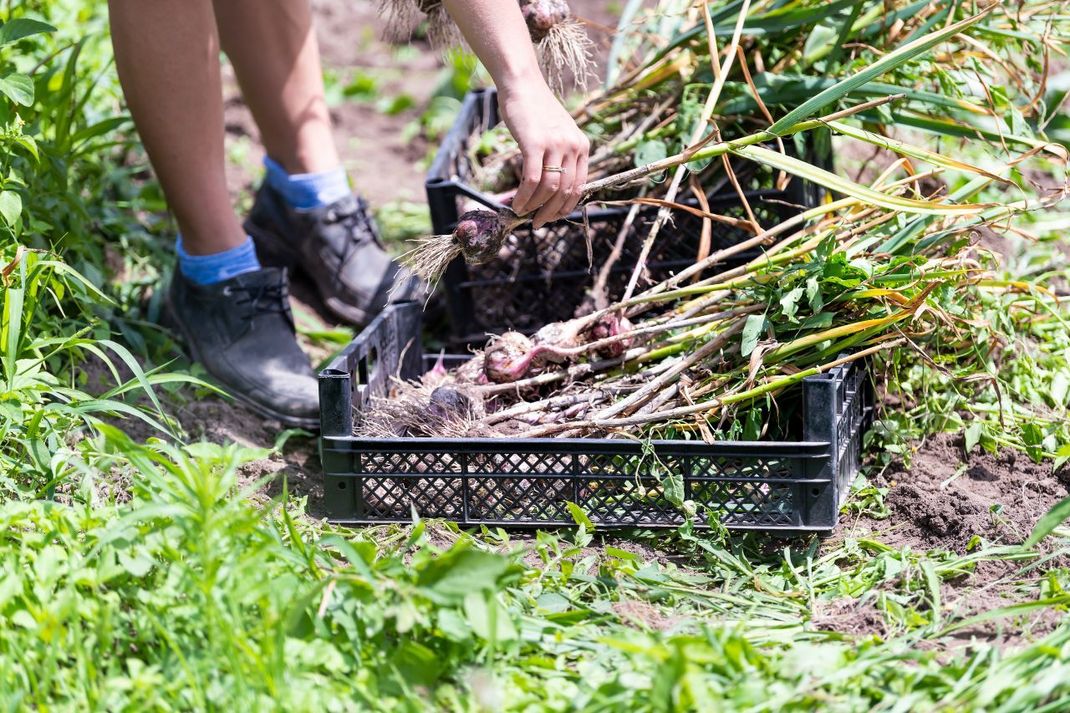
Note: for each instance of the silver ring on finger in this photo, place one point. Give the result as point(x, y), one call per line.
point(553, 169)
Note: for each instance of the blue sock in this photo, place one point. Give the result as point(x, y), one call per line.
point(209, 269)
point(308, 190)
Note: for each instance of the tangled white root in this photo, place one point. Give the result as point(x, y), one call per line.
point(430, 258)
point(401, 17)
point(441, 32)
point(404, 16)
point(408, 413)
point(566, 56)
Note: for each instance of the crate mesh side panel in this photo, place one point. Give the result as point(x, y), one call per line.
point(748, 499)
point(616, 489)
point(396, 482)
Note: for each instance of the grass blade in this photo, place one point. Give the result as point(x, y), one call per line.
point(842, 185)
point(881, 66)
point(906, 149)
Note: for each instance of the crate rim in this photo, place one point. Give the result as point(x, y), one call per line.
point(802, 450)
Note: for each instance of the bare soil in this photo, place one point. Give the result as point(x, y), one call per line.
point(854, 617)
point(946, 497)
point(944, 501)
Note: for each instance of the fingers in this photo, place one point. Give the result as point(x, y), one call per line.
point(529, 182)
point(550, 182)
point(553, 195)
point(576, 194)
point(555, 207)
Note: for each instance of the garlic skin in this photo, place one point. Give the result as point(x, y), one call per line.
point(451, 403)
point(543, 15)
point(480, 234)
point(610, 325)
point(508, 358)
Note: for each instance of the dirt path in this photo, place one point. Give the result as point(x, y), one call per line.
point(945, 497)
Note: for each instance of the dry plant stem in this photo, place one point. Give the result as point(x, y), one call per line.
point(669, 296)
point(700, 306)
point(751, 218)
point(652, 388)
point(723, 316)
point(703, 407)
point(720, 74)
point(667, 394)
point(599, 292)
point(697, 212)
point(743, 66)
point(694, 321)
point(705, 242)
point(553, 403)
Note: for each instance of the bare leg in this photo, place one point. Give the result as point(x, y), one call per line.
point(275, 54)
point(167, 54)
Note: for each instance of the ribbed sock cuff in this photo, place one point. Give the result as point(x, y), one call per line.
point(304, 191)
point(210, 269)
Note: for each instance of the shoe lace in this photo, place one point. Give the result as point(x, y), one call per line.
point(264, 299)
point(357, 226)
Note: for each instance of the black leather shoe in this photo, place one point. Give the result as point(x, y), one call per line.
point(338, 247)
point(242, 331)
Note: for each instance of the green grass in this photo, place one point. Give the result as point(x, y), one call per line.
point(144, 576)
point(191, 597)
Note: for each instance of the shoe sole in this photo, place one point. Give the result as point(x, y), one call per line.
point(269, 245)
point(286, 420)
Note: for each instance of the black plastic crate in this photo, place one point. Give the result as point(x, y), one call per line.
point(789, 487)
point(547, 273)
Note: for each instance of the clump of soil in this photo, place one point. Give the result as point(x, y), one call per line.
point(942, 501)
point(644, 615)
point(946, 497)
point(856, 617)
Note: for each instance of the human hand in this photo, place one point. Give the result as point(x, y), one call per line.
point(548, 138)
